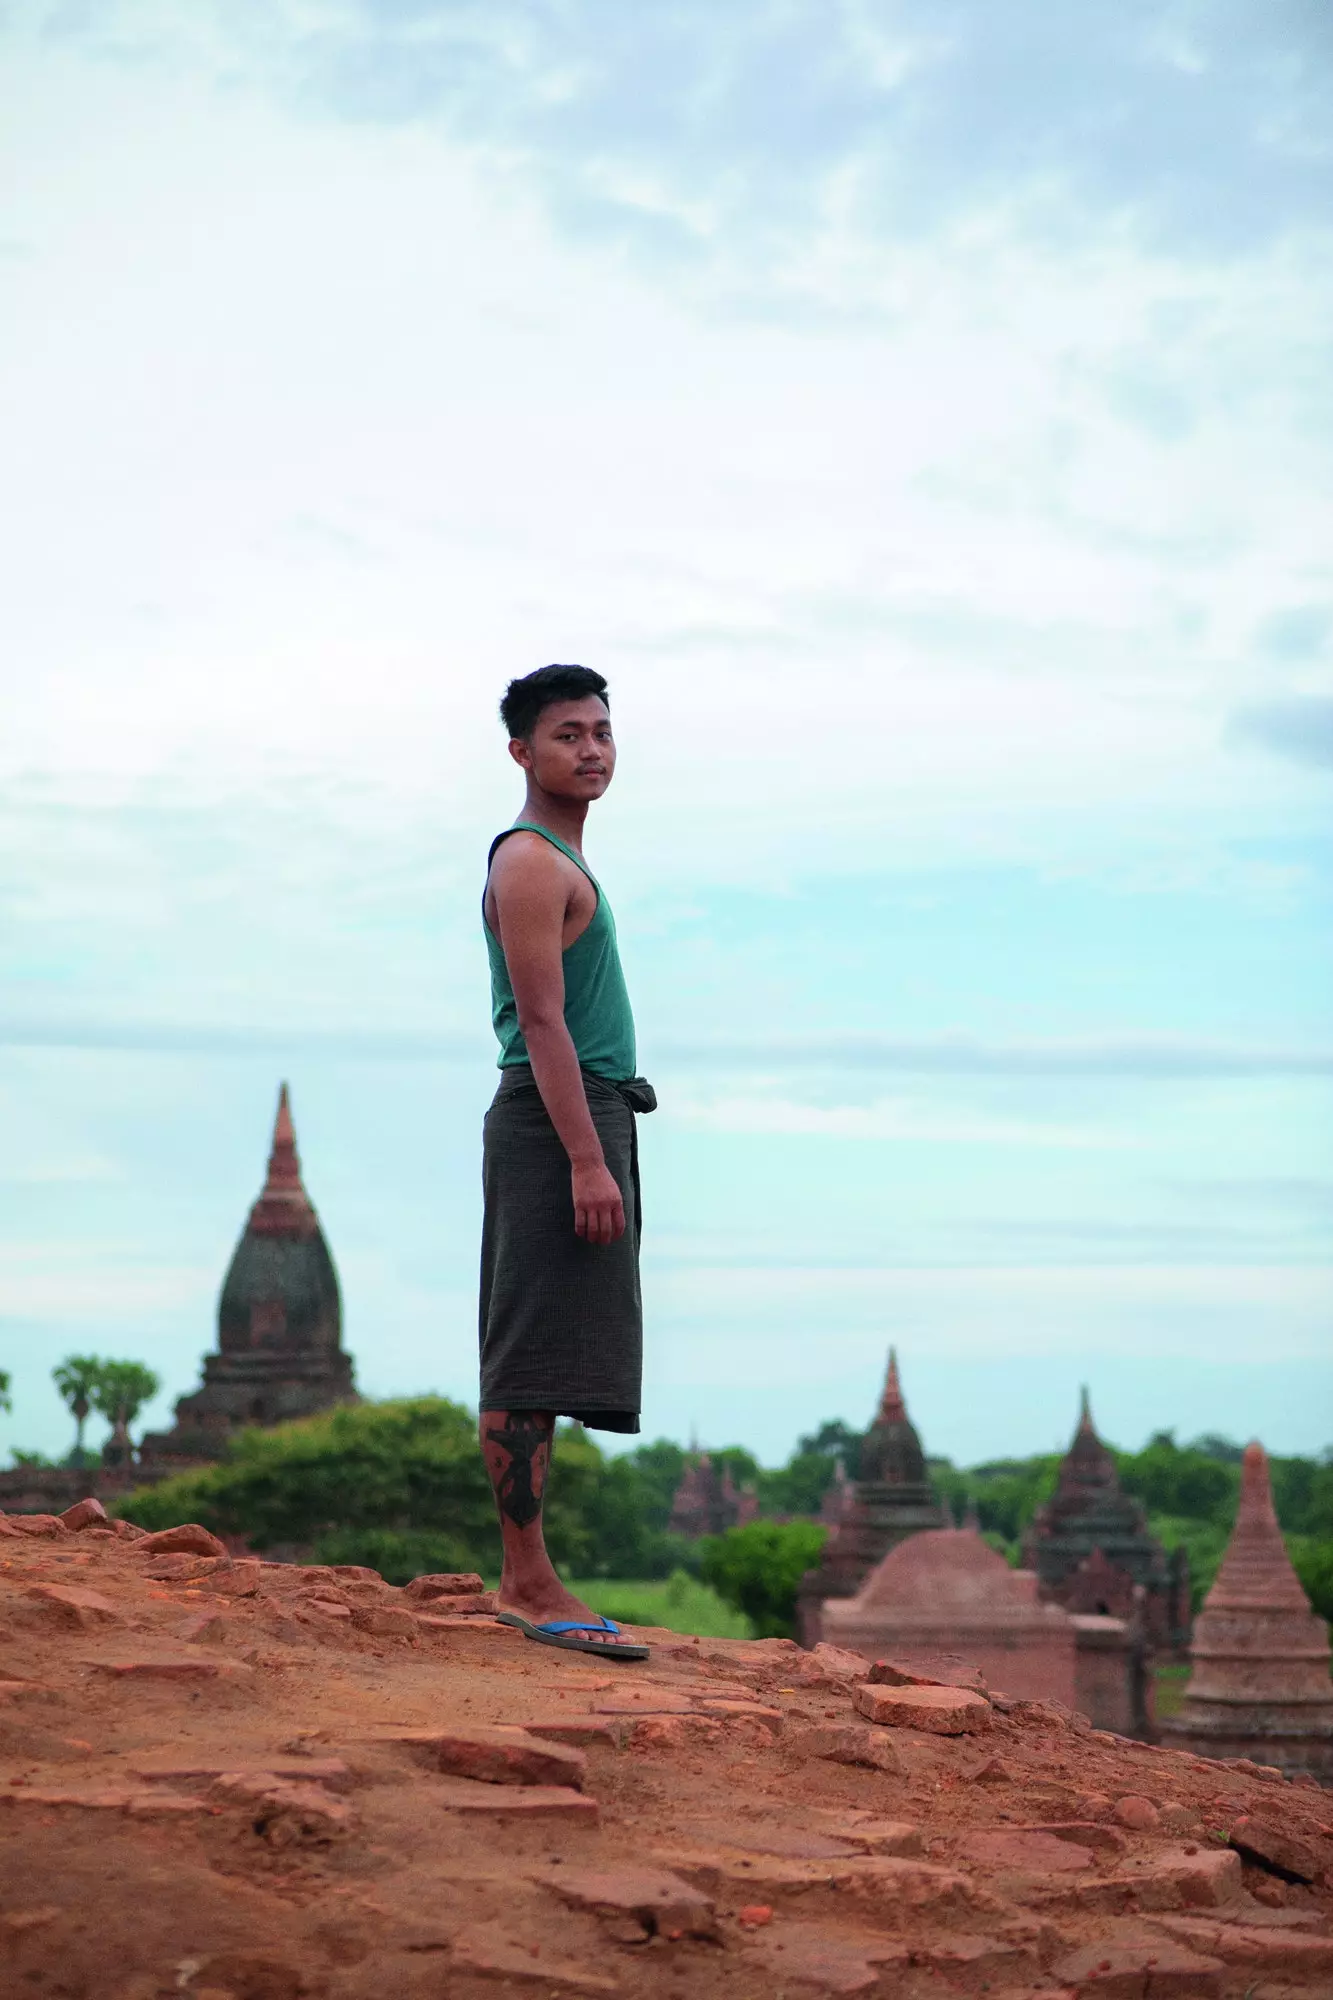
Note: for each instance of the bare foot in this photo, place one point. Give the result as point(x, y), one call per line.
point(541, 1600)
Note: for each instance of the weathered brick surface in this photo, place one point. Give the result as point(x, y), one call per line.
point(179, 1669)
point(1152, 1969)
point(1179, 1881)
point(659, 1900)
point(465, 1584)
point(466, 1795)
point(384, 1621)
point(1138, 1814)
point(286, 1812)
point(847, 1743)
point(607, 1731)
point(932, 1670)
point(330, 1772)
point(887, 1836)
point(493, 1754)
point(1025, 1849)
point(70, 1608)
point(187, 1540)
point(493, 1952)
point(1274, 1848)
point(1256, 1948)
point(941, 1711)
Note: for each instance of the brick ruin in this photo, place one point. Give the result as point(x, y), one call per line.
point(947, 1591)
point(1260, 1685)
point(890, 1499)
point(1092, 1551)
point(708, 1500)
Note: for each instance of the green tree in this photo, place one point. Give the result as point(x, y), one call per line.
point(1180, 1481)
point(77, 1378)
point(121, 1388)
point(759, 1568)
point(833, 1440)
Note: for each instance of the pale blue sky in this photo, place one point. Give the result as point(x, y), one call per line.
point(923, 415)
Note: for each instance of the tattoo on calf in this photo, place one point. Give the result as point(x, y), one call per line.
point(527, 1440)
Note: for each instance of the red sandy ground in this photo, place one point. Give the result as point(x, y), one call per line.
point(222, 1780)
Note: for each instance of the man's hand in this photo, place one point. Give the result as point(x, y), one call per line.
point(599, 1212)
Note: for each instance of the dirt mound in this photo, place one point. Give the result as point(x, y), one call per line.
point(253, 1781)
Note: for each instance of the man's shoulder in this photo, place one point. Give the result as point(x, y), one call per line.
point(524, 857)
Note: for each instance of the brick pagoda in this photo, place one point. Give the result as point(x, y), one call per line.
point(947, 1591)
point(1091, 1548)
point(890, 1499)
point(280, 1353)
point(708, 1502)
point(1260, 1686)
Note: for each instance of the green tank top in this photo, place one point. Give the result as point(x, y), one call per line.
point(597, 1009)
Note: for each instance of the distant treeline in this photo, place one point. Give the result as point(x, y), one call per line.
point(400, 1485)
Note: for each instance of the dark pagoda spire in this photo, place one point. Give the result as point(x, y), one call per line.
point(891, 1454)
point(283, 1208)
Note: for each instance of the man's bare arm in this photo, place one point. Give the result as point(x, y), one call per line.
point(530, 900)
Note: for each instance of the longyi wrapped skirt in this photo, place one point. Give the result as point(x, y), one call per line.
point(561, 1320)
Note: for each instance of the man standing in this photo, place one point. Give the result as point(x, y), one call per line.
point(561, 1316)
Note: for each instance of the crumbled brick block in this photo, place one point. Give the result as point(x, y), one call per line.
point(839, 1663)
point(659, 1900)
point(1025, 1849)
point(239, 1579)
point(768, 1719)
point(189, 1539)
point(1087, 1833)
point(424, 1588)
point(286, 1812)
point(1282, 1853)
point(466, 1795)
point(1112, 1970)
point(941, 1711)
point(493, 1754)
point(37, 1525)
point(847, 1743)
point(608, 1731)
point(1206, 1880)
point(384, 1621)
point(68, 1607)
point(1138, 1814)
point(145, 1802)
point(1256, 1948)
point(829, 1962)
point(643, 1701)
point(887, 1836)
point(494, 1953)
point(84, 1514)
point(475, 1627)
point(930, 1670)
point(330, 1772)
point(182, 1669)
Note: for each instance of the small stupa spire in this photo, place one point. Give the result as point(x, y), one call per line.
point(283, 1207)
point(1256, 1569)
point(1085, 1423)
point(892, 1409)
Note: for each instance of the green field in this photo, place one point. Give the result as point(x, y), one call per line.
point(682, 1604)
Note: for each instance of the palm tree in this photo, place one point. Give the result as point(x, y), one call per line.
point(77, 1378)
point(120, 1391)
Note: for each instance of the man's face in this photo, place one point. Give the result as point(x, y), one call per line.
point(571, 752)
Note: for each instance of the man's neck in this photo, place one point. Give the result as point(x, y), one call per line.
point(561, 816)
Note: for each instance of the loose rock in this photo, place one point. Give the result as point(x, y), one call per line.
point(941, 1711)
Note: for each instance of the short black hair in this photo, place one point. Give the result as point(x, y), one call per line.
point(525, 699)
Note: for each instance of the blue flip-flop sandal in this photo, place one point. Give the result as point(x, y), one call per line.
point(557, 1631)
